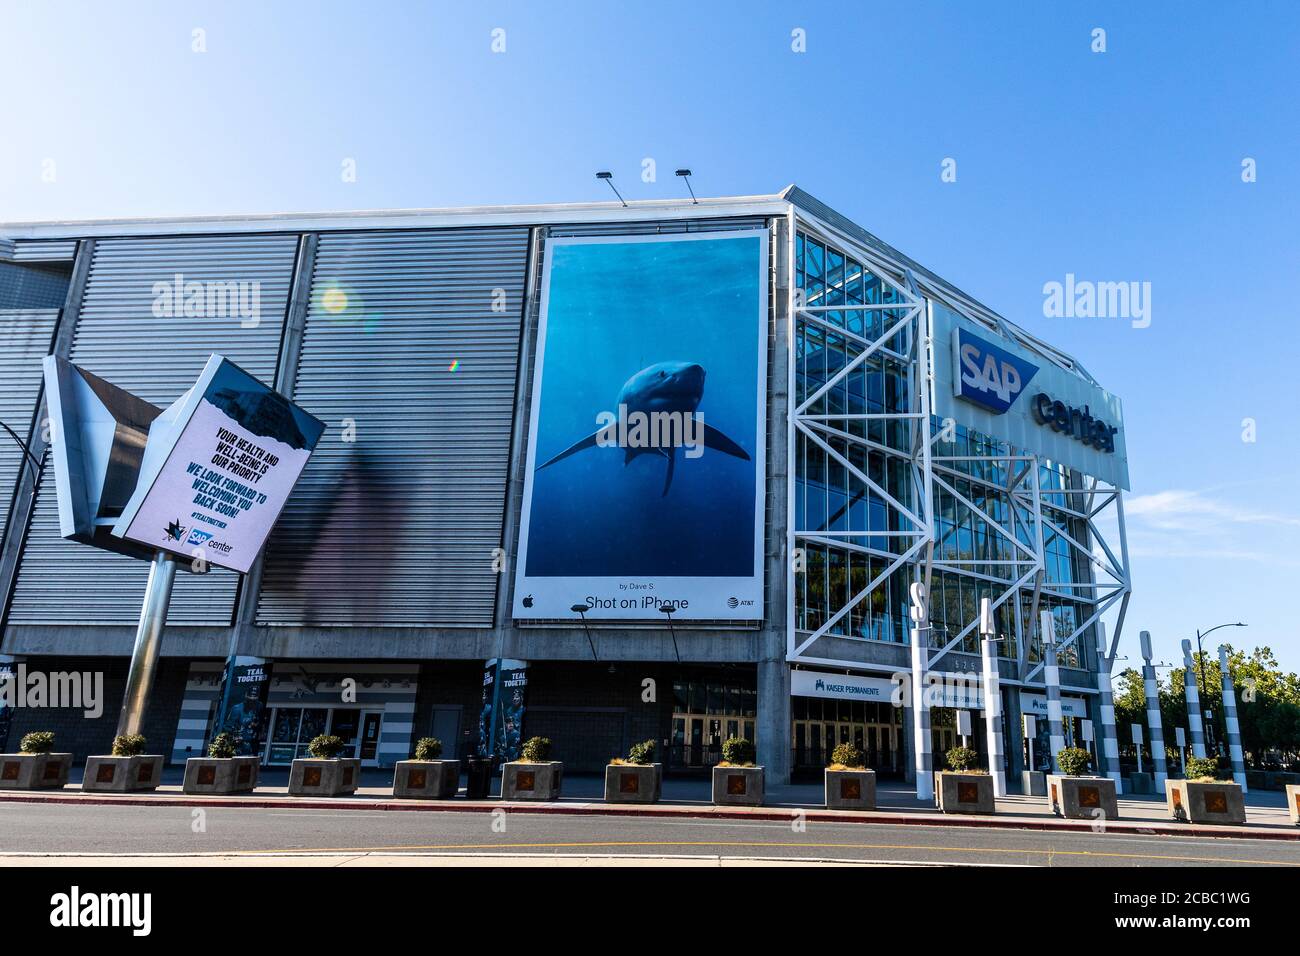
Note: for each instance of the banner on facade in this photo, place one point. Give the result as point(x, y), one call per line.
point(644, 482)
point(1037, 704)
point(501, 716)
point(7, 674)
point(218, 468)
point(242, 707)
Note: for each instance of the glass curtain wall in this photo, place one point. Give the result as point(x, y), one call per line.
point(829, 498)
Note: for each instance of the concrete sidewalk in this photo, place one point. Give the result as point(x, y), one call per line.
point(1266, 813)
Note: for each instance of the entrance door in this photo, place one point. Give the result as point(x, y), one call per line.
point(695, 742)
point(446, 727)
point(713, 742)
point(369, 744)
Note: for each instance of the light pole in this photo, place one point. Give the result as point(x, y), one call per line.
point(1201, 674)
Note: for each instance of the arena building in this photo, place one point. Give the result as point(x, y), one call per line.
point(658, 470)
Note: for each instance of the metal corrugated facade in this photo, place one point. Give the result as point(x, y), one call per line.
point(119, 338)
point(44, 250)
point(24, 340)
point(398, 526)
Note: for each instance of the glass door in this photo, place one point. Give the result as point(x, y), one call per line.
point(283, 745)
point(369, 748)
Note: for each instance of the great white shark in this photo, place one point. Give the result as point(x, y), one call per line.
point(674, 387)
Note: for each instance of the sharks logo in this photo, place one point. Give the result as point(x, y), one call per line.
point(659, 390)
point(987, 375)
point(174, 531)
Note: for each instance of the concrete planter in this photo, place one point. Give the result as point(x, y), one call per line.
point(1033, 783)
point(221, 775)
point(1082, 798)
point(319, 777)
point(633, 783)
point(1218, 802)
point(1293, 802)
point(738, 786)
point(123, 774)
point(426, 779)
point(963, 792)
point(850, 789)
point(34, 771)
point(531, 781)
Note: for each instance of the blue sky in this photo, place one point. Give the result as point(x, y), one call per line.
point(1123, 165)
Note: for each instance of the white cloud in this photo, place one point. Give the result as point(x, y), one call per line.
point(1184, 510)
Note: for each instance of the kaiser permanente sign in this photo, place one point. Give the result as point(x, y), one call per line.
point(999, 388)
point(946, 689)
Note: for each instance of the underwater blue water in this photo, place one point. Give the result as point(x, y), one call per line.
point(615, 308)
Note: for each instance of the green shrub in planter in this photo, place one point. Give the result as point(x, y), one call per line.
point(325, 747)
point(128, 745)
point(536, 750)
point(428, 748)
point(1073, 761)
point(847, 755)
point(738, 752)
point(37, 742)
point(642, 753)
point(1199, 768)
point(222, 747)
point(963, 760)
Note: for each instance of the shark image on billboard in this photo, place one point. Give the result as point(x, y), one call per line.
point(644, 481)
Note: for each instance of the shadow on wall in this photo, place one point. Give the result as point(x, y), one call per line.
point(358, 506)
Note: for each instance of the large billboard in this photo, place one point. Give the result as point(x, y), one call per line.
point(998, 387)
point(218, 468)
point(645, 467)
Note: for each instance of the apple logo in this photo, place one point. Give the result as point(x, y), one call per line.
point(528, 601)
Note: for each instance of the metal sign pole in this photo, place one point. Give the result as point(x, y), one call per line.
point(992, 698)
point(148, 641)
point(920, 704)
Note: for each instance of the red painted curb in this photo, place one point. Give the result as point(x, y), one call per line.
point(713, 813)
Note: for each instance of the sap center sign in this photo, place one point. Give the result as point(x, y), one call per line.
point(996, 386)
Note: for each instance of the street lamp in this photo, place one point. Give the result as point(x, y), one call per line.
point(581, 610)
point(668, 609)
point(1200, 654)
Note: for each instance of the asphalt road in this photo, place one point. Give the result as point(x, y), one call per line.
point(64, 829)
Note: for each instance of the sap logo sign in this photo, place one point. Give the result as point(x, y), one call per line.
point(987, 375)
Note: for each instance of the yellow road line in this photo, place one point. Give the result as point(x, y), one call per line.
point(741, 844)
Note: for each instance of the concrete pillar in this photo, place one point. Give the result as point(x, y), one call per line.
point(241, 643)
point(773, 726)
point(1052, 679)
point(1108, 742)
point(1192, 694)
point(1016, 733)
point(1154, 723)
point(1230, 718)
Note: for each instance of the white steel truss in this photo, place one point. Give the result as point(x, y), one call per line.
point(1036, 517)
